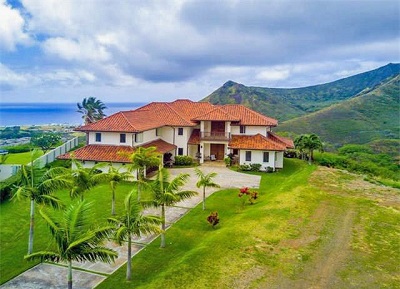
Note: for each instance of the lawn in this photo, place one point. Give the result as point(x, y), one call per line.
point(14, 220)
point(20, 158)
point(299, 234)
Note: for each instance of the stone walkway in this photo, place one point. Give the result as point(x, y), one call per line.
point(88, 275)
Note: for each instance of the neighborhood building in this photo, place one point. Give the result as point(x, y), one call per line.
point(200, 130)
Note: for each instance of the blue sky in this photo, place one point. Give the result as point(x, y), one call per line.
point(139, 51)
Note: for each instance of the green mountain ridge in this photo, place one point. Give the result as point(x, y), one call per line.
point(369, 116)
point(288, 103)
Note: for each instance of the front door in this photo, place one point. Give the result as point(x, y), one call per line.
point(218, 150)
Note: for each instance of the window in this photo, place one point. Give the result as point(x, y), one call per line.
point(139, 137)
point(266, 157)
point(180, 151)
point(158, 131)
point(98, 136)
point(122, 138)
point(180, 130)
point(242, 129)
point(248, 156)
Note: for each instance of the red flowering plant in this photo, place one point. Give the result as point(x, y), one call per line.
point(213, 219)
point(251, 196)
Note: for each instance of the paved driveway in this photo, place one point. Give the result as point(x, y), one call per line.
point(50, 276)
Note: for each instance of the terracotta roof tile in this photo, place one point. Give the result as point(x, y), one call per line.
point(286, 141)
point(194, 137)
point(255, 142)
point(182, 112)
point(161, 145)
point(101, 153)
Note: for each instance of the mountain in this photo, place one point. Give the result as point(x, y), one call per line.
point(288, 103)
point(372, 115)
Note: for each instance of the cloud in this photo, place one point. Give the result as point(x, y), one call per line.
point(11, 28)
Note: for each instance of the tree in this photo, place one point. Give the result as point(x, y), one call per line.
point(114, 177)
point(141, 159)
point(167, 193)
point(83, 179)
point(45, 140)
point(38, 188)
point(75, 239)
point(308, 143)
point(91, 109)
point(133, 223)
point(205, 181)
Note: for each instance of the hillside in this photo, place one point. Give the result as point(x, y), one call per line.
point(284, 104)
point(367, 117)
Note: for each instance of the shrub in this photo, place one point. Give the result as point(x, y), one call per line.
point(244, 167)
point(213, 219)
point(183, 161)
point(252, 196)
point(23, 148)
point(227, 161)
point(255, 167)
point(269, 169)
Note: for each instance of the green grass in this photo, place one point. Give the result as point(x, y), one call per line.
point(14, 220)
point(20, 158)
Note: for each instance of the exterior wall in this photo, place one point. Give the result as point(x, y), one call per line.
point(110, 138)
point(181, 140)
point(167, 134)
point(104, 168)
point(250, 130)
point(192, 151)
point(275, 159)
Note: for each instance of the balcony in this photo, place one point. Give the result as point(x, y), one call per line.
point(215, 136)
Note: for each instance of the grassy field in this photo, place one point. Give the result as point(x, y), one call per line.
point(14, 221)
point(20, 158)
point(310, 228)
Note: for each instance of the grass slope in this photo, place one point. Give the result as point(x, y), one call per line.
point(310, 227)
point(368, 117)
point(284, 104)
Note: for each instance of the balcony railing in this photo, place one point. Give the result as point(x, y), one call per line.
point(222, 136)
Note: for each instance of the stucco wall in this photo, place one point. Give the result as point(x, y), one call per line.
point(110, 138)
point(257, 157)
point(181, 140)
point(250, 130)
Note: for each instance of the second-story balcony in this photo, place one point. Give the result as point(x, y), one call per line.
point(215, 136)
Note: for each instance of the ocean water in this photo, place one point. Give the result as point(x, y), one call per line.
point(51, 113)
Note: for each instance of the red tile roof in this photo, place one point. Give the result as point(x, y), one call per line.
point(194, 137)
point(162, 146)
point(255, 142)
point(288, 142)
point(179, 113)
point(110, 153)
point(101, 153)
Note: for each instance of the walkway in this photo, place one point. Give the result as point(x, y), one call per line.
point(88, 275)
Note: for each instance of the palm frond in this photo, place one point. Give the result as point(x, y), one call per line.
point(44, 256)
point(50, 200)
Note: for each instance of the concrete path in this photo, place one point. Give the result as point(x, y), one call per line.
point(88, 275)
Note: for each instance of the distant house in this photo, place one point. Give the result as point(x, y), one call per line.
point(183, 127)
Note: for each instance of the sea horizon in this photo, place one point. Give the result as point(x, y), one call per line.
point(37, 113)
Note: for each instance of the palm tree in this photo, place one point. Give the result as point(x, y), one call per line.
point(166, 194)
point(143, 158)
point(83, 179)
point(114, 177)
point(32, 184)
point(75, 240)
point(92, 109)
point(133, 223)
point(205, 180)
point(309, 142)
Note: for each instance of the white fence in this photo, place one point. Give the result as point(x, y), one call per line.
point(7, 171)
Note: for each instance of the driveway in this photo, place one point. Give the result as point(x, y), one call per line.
point(88, 275)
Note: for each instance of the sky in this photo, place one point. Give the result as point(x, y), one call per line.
point(141, 51)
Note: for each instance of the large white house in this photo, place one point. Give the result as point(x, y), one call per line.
point(183, 127)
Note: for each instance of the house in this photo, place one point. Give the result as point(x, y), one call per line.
point(183, 127)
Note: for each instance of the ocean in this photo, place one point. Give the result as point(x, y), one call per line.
point(12, 114)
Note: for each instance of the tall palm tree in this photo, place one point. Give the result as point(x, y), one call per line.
point(75, 239)
point(32, 184)
point(310, 143)
point(92, 109)
point(114, 177)
point(83, 179)
point(143, 158)
point(167, 193)
point(205, 181)
point(133, 223)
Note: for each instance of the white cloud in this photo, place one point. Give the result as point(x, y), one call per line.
point(11, 28)
point(274, 73)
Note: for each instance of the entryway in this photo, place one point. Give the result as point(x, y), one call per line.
point(218, 150)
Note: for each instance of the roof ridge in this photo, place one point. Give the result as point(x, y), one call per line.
point(128, 120)
point(252, 111)
point(177, 113)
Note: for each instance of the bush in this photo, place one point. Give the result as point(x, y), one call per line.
point(183, 161)
point(213, 219)
point(244, 167)
point(18, 148)
point(255, 167)
point(269, 169)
